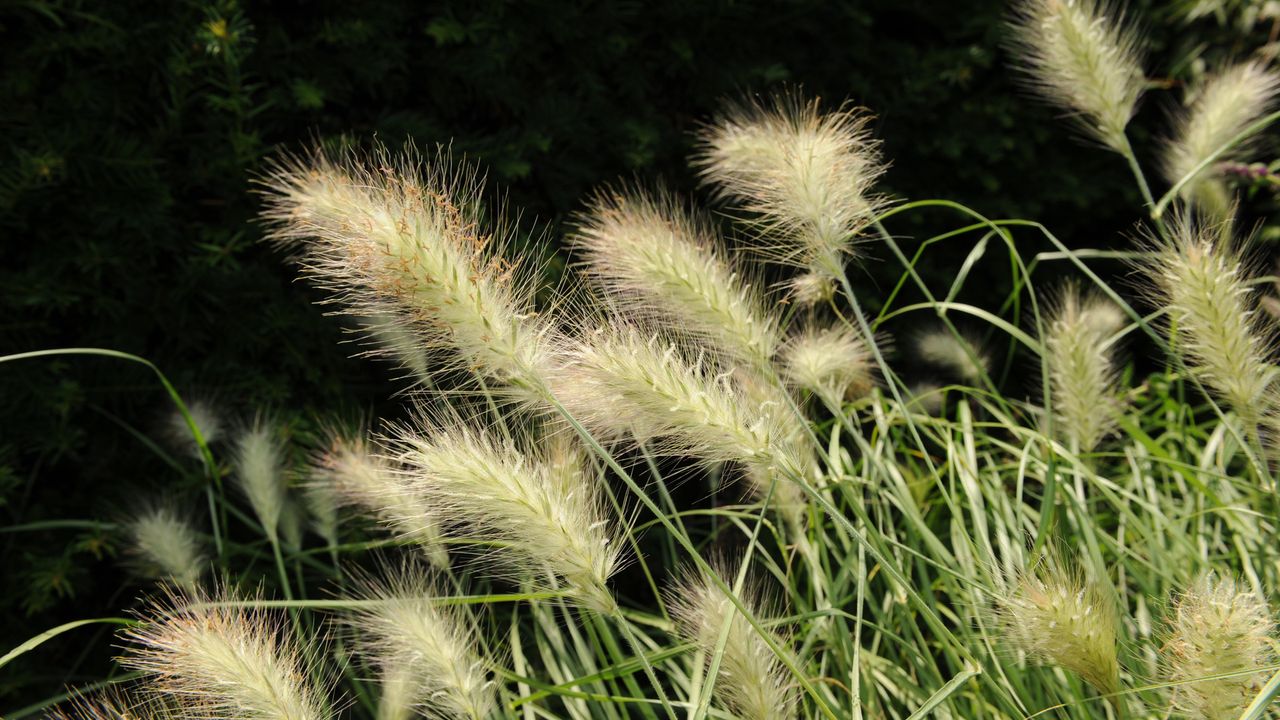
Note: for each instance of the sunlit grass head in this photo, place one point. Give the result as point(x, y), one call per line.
point(1082, 56)
point(805, 177)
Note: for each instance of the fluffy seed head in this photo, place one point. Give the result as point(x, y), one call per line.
point(1225, 105)
point(752, 683)
point(409, 232)
point(804, 175)
point(547, 515)
point(259, 465)
point(110, 705)
point(666, 265)
point(1079, 55)
point(165, 545)
point(396, 337)
point(1203, 282)
point(426, 653)
point(1080, 364)
point(1058, 617)
point(963, 356)
point(360, 478)
point(834, 363)
point(206, 419)
point(223, 663)
point(321, 500)
point(1217, 628)
point(619, 382)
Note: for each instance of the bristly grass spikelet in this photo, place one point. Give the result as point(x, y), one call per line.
point(1227, 103)
point(834, 363)
point(359, 477)
point(804, 176)
point(425, 652)
point(205, 417)
point(962, 356)
point(411, 233)
point(1217, 628)
point(1057, 616)
point(165, 545)
point(223, 662)
point(540, 516)
point(1080, 364)
point(621, 382)
point(752, 683)
point(1081, 56)
point(259, 465)
point(1203, 281)
point(663, 264)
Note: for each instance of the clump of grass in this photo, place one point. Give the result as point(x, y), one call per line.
point(897, 520)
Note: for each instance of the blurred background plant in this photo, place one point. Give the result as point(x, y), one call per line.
point(132, 131)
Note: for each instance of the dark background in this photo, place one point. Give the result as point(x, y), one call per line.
point(131, 130)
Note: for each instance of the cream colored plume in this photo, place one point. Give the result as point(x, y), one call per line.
point(425, 651)
point(409, 232)
point(1217, 628)
point(663, 264)
point(357, 476)
point(1204, 284)
point(545, 514)
point(1081, 56)
point(221, 662)
point(258, 464)
point(1080, 365)
point(165, 545)
point(805, 176)
point(752, 683)
point(1224, 106)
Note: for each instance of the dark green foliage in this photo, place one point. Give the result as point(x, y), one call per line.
point(133, 129)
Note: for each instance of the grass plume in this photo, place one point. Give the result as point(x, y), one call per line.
point(543, 516)
point(165, 545)
point(665, 264)
point(805, 177)
point(398, 230)
point(221, 662)
point(425, 652)
point(1082, 56)
point(1203, 281)
point(1227, 103)
point(259, 465)
point(1218, 627)
point(1080, 363)
point(751, 683)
